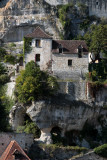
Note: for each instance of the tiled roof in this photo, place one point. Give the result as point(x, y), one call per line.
point(12, 149)
point(69, 46)
point(39, 33)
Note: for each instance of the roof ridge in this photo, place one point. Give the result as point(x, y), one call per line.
point(9, 148)
point(39, 32)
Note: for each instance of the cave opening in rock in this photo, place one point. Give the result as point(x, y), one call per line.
point(29, 127)
point(56, 135)
point(71, 137)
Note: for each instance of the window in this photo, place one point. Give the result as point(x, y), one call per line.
point(70, 62)
point(38, 43)
point(37, 58)
point(79, 53)
point(60, 48)
point(96, 3)
point(80, 50)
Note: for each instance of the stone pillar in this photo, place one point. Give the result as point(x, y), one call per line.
point(46, 135)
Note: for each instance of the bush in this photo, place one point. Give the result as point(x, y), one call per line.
point(101, 150)
point(2, 53)
point(4, 79)
point(10, 58)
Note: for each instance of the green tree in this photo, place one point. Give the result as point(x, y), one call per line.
point(99, 40)
point(33, 84)
point(96, 39)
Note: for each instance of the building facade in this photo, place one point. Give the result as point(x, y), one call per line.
point(65, 58)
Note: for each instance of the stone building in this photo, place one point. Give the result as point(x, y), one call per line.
point(66, 58)
point(24, 140)
point(14, 151)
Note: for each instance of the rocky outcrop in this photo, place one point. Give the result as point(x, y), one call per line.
point(18, 18)
point(60, 113)
point(90, 155)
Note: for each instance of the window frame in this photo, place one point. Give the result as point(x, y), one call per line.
point(69, 62)
point(38, 43)
point(37, 57)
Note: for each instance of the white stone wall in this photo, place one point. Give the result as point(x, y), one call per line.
point(44, 51)
point(23, 139)
point(60, 64)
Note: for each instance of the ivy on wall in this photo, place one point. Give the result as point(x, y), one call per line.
point(27, 45)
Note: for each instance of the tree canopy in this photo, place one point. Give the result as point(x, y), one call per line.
point(33, 84)
point(96, 39)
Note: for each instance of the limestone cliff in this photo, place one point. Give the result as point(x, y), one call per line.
point(67, 115)
point(20, 17)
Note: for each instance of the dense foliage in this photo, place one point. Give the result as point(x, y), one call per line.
point(2, 53)
point(101, 150)
point(5, 102)
point(96, 39)
point(29, 127)
point(3, 76)
point(33, 84)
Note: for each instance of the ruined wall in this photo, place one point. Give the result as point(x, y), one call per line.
point(23, 139)
point(74, 90)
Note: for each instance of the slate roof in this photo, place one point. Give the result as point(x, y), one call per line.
point(69, 46)
point(14, 149)
point(39, 33)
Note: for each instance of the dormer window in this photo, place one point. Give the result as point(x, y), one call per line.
point(60, 48)
point(97, 3)
point(80, 50)
point(38, 43)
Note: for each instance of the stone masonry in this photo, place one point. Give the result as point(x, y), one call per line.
point(23, 139)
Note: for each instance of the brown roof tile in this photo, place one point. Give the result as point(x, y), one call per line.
point(39, 33)
point(69, 46)
point(12, 149)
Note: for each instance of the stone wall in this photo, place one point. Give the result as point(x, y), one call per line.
point(61, 69)
point(24, 140)
point(44, 51)
point(74, 90)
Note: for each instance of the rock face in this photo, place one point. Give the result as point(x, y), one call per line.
point(58, 113)
point(20, 17)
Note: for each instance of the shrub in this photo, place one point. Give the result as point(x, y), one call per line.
point(101, 150)
point(4, 79)
point(12, 45)
point(10, 58)
point(2, 53)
